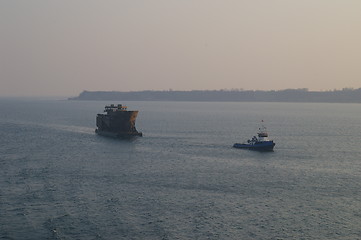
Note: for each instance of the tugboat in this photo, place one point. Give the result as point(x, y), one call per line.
point(117, 122)
point(260, 143)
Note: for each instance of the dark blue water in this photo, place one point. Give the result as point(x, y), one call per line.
point(182, 180)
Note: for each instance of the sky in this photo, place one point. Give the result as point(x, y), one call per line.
point(62, 47)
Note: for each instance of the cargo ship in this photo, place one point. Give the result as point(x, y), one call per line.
point(117, 122)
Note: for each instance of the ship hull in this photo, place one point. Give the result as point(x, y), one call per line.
point(259, 146)
point(118, 134)
point(118, 124)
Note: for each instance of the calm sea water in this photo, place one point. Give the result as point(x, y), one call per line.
point(183, 179)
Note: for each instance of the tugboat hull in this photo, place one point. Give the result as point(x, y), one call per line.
point(259, 146)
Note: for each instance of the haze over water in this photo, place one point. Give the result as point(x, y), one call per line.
point(60, 48)
point(182, 180)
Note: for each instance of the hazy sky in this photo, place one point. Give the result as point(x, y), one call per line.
point(62, 47)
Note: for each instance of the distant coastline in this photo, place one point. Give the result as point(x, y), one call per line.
point(346, 95)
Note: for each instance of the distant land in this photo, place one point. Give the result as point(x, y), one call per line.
point(346, 95)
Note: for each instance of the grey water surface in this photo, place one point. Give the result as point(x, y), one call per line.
point(183, 179)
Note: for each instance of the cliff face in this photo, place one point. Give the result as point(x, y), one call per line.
point(288, 95)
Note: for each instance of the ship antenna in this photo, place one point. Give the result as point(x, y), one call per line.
point(263, 127)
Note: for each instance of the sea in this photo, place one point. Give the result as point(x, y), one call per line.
point(182, 179)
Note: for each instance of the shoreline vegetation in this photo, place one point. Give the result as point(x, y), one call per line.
point(346, 95)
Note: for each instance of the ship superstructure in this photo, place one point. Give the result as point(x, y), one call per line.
point(117, 122)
